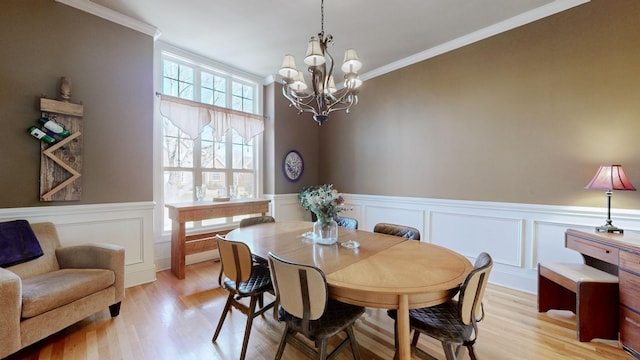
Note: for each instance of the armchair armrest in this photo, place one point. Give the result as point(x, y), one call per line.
point(11, 300)
point(95, 256)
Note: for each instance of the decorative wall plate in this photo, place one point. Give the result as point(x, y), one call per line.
point(293, 165)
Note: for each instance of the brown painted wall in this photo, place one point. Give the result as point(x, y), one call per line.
point(526, 116)
point(294, 131)
point(111, 68)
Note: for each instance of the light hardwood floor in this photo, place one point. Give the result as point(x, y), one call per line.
point(175, 319)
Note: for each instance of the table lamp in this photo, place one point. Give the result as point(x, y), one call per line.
point(610, 177)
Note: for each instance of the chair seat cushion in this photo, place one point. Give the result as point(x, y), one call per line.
point(57, 288)
point(440, 321)
point(336, 317)
point(259, 281)
point(580, 272)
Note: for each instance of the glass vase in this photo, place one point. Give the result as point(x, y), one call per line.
point(325, 231)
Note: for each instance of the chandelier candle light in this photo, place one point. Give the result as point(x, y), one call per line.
point(610, 177)
point(324, 97)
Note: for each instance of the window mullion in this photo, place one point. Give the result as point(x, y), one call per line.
point(229, 155)
point(198, 169)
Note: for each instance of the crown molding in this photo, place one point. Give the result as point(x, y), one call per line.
point(113, 16)
point(503, 26)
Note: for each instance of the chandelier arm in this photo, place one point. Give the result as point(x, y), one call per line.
point(328, 40)
point(345, 105)
point(320, 77)
point(299, 102)
point(302, 107)
point(297, 96)
point(342, 99)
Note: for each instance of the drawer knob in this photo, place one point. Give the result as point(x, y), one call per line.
point(607, 251)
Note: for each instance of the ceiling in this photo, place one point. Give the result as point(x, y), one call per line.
point(254, 35)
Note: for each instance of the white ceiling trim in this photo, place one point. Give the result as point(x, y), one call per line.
point(113, 16)
point(503, 26)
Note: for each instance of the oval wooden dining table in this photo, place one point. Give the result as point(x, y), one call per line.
point(386, 272)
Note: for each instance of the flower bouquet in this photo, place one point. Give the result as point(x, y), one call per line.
point(326, 203)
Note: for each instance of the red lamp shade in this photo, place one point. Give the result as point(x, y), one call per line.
point(610, 177)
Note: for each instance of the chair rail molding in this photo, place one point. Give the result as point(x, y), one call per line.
point(518, 236)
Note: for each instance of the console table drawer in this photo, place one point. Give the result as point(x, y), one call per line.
point(630, 329)
point(629, 289)
point(630, 261)
point(596, 250)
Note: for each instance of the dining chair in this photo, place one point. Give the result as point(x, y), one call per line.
point(347, 222)
point(243, 279)
point(307, 309)
point(454, 323)
point(397, 230)
point(255, 220)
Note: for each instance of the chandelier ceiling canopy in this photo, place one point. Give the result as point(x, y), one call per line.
point(323, 97)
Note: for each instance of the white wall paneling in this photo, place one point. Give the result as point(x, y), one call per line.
point(502, 237)
point(129, 225)
point(518, 236)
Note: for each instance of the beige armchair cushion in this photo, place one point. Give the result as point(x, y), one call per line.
point(57, 288)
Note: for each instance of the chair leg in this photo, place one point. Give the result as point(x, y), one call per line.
point(354, 344)
point(472, 353)
point(283, 343)
point(448, 350)
point(223, 316)
point(323, 350)
point(395, 339)
point(416, 336)
point(247, 329)
point(276, 307)
point(114, 309)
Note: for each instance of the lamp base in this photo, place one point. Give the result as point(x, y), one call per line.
point(609, 228)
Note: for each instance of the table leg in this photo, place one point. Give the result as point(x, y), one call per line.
point(404, 339)
point(178, 245)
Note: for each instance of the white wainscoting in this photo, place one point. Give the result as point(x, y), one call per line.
point(518, 236)
point(129, 225)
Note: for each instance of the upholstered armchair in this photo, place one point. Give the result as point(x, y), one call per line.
point(64, 285)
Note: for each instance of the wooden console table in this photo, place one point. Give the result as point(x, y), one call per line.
point(183, 245)
point(618, 254)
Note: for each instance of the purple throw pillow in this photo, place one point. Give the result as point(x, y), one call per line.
point(18, 243)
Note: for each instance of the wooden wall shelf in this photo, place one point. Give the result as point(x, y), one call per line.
point(61, 163)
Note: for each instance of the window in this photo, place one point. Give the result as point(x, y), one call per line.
point(222, 164)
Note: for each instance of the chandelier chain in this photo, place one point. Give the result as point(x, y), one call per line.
point(322, 18)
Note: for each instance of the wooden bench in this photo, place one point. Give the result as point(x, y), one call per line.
point(589, 293)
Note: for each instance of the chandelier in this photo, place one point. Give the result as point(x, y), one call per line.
point(323, 97)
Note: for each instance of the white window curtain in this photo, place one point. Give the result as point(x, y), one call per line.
point(191, 117)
